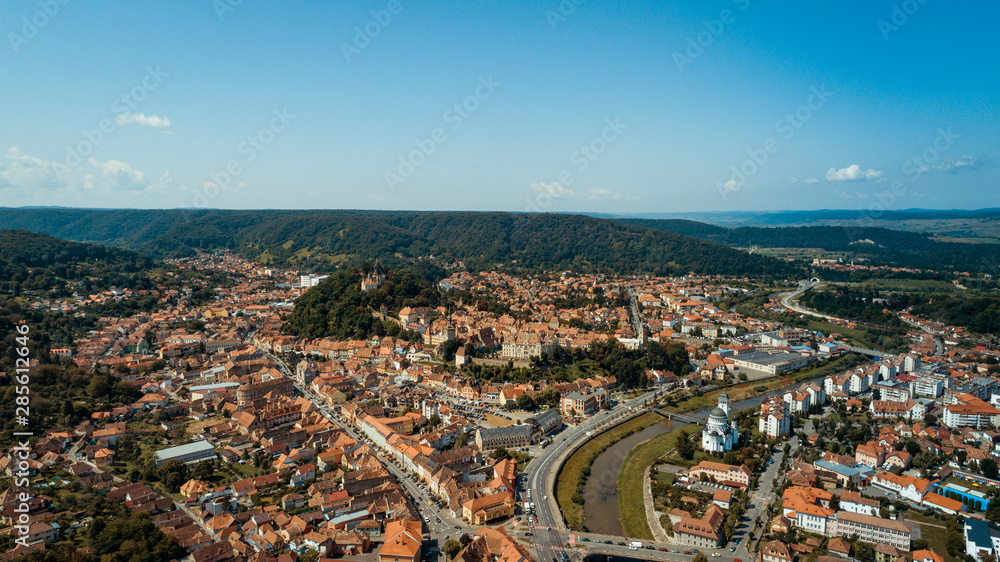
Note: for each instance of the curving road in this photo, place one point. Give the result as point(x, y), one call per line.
point(787, 301)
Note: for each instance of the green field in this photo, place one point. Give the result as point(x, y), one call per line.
point(572, 471)
point(934, 532)
point(909, 285)
point(631, 502)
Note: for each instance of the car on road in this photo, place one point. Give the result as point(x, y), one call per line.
point(732, 548)
point(664, 550)
point(608, 542)
point(688, 552)
point(674, 550)
point(584, 539)
point(695, 550)
point(715, 554)
point(621, 544)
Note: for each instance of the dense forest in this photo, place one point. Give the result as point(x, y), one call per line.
point(880, 245)
point(864, 305)
point(978, 314)
point(324, 240)
point(37, 262)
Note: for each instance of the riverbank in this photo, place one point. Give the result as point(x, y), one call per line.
point(573, 475)
point(631, 479)
point(747, 390)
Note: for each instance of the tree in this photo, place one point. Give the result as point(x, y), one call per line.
point(993, 511)
point(174, 474)
point(684, 446)
point(526, 403)
point(452, 548)
point(700, 557)
point(988, 467)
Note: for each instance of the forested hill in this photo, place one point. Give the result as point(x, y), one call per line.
point(322, 240)
point(39, 262)
point(883, 245)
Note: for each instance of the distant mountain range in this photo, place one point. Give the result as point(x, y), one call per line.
point(817, 217)
point(323, 240)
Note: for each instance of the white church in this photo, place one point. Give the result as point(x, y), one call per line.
point(720, 435)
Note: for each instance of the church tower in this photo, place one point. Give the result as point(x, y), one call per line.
point(724, 402)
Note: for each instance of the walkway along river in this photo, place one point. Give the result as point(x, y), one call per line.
point(600, 508)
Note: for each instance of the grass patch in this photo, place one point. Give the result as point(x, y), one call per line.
point(932, 530)
point(665, 478)
point(575, 471)
point(631, 501)
point(911, 285)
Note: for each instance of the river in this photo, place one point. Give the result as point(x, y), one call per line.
point(600, 508)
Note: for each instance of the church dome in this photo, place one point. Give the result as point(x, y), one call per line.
point(718, 415)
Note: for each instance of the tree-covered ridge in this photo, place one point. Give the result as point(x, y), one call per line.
point(338, 308)
point(38, 262)
point(882, 245)
point(323, 240)
point(979, 314)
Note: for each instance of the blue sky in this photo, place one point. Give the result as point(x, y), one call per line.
point(540, 105)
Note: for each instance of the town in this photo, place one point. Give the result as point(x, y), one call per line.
point(451, 436)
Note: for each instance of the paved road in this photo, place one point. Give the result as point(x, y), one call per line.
point(438, 521)
point(787, 301)
point(550, 535)
point(938, 346)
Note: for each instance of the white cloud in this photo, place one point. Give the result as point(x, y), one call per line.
point(554, 189)
point(143, 120)
point(960, 163)
point(852, 173)
point(601, 193)
point(811, 181)
point(44, 181)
